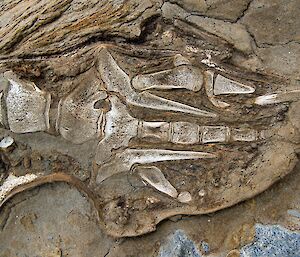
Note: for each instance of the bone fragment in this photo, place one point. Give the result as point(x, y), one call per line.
point(289, 96)
point(27, 106)
point(215, 134)
point(209, 87)
point(223, 86)
point(185, 133)
point(156, 178)
point(123, 161)
point(184, 197)
point(118, 81)
point(79, 121)
point(184, 76)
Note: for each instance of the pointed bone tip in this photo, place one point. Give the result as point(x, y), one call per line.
point(266, 99)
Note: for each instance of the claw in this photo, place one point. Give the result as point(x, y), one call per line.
point(156, 178)
point(225, 86)
point(293, 95)
point(126, 159)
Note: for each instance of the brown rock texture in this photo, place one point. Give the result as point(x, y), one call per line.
point(144, 111)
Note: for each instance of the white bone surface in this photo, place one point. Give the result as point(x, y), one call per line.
point(118, 81)
point(27, 106)
point(223, 86)
point(6, 142)
point(154, 130)
point(78, 120)
point(275, 98)
point(148, 100)
point(156, 178)
point(12, 182)
point(184, 197)
point(184, 76)
point(124, 160)
point(209, 87)
point(185, 133)
point(120, 127)
point(215, 134)
point(244, 135)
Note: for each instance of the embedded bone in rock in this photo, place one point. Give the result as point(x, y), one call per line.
point(27, 106)
point(157, 179)
point(140, 106)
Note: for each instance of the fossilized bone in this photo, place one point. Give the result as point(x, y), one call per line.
point(117, 127)
point(232, 140)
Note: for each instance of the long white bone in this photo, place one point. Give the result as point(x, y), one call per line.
point(118, 81)
point(124, 160)
point(184, 76)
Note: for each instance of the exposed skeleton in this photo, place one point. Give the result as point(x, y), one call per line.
point(25, 108)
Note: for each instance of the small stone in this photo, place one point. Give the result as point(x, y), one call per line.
point(202, 193)
point(6, 143)
point(184, 197)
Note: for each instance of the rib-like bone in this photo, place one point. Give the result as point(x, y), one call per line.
point(148, 100)
point(118, 81)
point(156, 178)
point(293, 95)
point(184, 76)
point(124, 160)
point(12, 182)
point(223, 86)
point(27, 106)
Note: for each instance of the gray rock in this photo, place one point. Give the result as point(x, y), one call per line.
point(273, 241)
point(179, 245)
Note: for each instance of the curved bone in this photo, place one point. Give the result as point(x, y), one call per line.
point(79, 121)
point(223, 86)
point(26, 105)
point(290, 96)
point(156, 178)
point(118, 81)
point(124, 160)
point(184, 76)
point(12, 182)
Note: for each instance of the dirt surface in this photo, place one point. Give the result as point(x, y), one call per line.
point(104, 203)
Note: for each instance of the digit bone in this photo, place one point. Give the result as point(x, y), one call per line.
point(118, 81)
